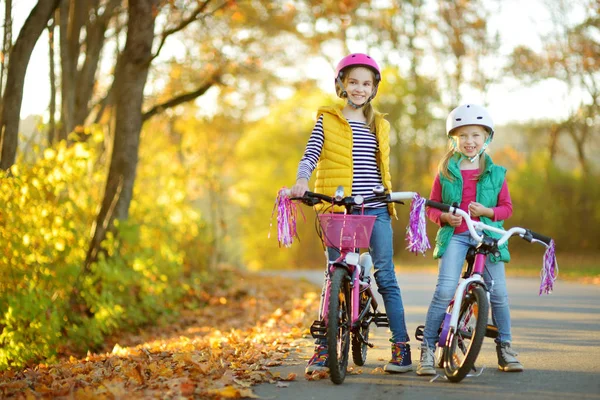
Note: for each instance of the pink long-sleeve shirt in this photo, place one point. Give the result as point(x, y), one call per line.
point(501, 212)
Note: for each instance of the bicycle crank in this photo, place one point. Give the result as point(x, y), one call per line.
point(362, 339)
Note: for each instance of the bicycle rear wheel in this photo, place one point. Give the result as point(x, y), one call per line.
point(359, 347)
point(463, 345)
point(338, 325)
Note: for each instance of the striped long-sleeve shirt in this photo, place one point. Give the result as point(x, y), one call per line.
point(366, 174)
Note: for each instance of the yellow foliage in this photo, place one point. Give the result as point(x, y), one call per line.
point(46, 211)
point(268, 157)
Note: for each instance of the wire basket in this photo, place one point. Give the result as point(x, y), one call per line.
point(347, 230)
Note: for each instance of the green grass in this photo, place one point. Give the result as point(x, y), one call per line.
point(571, 267)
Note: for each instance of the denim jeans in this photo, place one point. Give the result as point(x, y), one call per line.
point(450, 268)
point(382, 252)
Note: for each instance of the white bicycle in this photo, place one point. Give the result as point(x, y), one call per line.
point(466, 321)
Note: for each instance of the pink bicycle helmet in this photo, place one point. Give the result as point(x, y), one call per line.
point(356, 60)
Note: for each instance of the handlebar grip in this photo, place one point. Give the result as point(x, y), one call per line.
point(540, 237)
point(439, 206)
point(318, 196)
point(312, 199)
point(399, 196)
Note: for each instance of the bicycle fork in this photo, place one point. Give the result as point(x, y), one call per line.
point(359, 316)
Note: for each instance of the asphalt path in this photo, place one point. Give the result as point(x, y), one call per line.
point(557, 337)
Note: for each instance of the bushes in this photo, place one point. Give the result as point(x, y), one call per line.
point(557, 203)
point(46, 211)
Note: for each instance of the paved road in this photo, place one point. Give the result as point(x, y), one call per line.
point(557, 336)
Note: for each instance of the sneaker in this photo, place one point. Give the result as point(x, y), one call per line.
point(318, 362)
point(427, 361)
point(507, 358)
point(400, 361)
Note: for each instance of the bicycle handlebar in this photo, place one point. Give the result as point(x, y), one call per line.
point(475, 226)
point(311, 198)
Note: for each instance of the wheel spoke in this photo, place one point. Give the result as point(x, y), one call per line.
point(338, 330)
point(465, 343)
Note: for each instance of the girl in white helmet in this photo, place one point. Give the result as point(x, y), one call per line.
point(350, 147)
point(468, 177)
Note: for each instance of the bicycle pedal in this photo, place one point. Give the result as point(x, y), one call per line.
point(491, 331)
point(419, 333)
point(381, 319)
point(318, 330)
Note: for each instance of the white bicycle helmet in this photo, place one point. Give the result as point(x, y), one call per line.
point(469, 114)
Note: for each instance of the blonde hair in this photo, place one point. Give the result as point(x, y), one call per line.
point(443, 165)
point(368, 110)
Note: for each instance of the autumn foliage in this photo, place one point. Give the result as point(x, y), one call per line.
point(217, 350)
point(49, 303)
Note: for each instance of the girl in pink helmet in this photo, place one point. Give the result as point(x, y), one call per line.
point(350, 147)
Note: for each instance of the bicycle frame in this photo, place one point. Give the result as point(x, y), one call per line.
point(472, 289)
point(348, 259)
point(450, 322)
point(345, 294)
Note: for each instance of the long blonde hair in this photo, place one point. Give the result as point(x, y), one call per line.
point(443, 165)
point(368, 110)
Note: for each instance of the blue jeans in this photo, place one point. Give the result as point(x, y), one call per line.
point(382, 252)
point(450, 268)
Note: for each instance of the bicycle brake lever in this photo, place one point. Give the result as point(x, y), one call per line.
point(455, 205)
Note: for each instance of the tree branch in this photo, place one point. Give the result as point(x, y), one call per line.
point(183, 98)
point(184, 23)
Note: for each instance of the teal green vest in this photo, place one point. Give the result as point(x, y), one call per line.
point(488, 188)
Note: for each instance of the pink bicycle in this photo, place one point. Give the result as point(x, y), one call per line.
point(466, 322)
point(348, 307)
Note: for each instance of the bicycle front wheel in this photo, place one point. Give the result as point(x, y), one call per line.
point(463, 345)
point(360, 347)
point(338, 325)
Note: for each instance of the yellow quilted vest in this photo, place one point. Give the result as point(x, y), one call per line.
point(335, 166)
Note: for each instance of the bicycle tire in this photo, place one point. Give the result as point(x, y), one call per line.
point(359, 348)
point(338, 325)
point(463, 345)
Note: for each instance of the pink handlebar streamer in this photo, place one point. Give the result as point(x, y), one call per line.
point(286, 218)
point(549, 270)
point(416, 231)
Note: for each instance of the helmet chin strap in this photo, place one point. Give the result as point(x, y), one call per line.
point(476, 156)
point(350, 102)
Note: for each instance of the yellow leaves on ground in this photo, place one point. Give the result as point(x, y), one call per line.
point(217, 352)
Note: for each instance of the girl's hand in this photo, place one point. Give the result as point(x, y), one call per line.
point(299, 188)
point(478, 210)
point(451, 219)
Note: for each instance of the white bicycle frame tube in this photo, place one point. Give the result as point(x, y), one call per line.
point(458, 297)
point(475, 226)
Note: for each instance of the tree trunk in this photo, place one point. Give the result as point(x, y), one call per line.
point(6, 42)
point(13, 93)
point(553, 144)
point(580, 142)
point(130, 78)
point(51, 121)
point(71, 20)
point(94, 42)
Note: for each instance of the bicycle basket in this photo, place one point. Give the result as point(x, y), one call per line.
point(347, 230)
